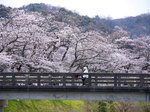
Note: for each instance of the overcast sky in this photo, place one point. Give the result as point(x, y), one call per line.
point(104, 8)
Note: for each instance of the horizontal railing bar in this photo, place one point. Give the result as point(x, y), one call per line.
point(130, 79)
point(104, 82)
point(76, 73)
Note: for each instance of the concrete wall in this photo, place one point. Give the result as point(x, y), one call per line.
point(101, 96)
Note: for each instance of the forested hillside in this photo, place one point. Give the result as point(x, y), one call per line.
point(136, 26)
point(58, 40)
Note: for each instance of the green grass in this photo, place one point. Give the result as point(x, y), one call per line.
point(44, 106)
point(73, 106)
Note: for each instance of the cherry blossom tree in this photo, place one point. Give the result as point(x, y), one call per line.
point(37, 43)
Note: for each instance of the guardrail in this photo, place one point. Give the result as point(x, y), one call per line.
point(73, 81)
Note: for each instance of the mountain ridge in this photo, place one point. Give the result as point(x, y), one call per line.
point(136, 26)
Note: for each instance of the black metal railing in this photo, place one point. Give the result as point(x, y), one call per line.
point(73, 81)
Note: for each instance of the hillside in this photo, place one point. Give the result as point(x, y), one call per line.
point(136, 26)
point(4, 11)
point(83, 22)
point(59, 40)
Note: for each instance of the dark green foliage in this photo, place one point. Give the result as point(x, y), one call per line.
point(136, 26)
point(139, 25)
point(107, 23)
point(85, 21)
point(102, 106)
point(42, 8)
point(88, 24)
point(112, 106)
point(4, 11)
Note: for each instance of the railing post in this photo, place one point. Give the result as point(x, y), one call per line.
point(13, 80)
point(118, 80)
point(4, 79)
point(89, 80)
point(27, 79)
point(115, 80)
point(50, 80)
point(64, 80)
point(95, 80)
point(73, 81)
point(141, 80)
point(38, 80)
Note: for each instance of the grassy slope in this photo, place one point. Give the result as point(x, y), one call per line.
point(74, 106)
point(44, 106)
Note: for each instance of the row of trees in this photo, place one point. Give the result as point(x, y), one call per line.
point(32, 42)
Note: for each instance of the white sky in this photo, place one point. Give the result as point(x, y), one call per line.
point(103, 8)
